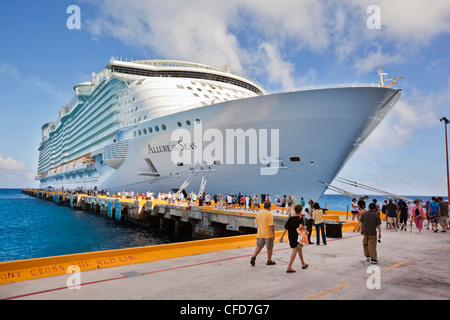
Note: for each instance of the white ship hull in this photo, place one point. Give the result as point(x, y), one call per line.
point(323, 128)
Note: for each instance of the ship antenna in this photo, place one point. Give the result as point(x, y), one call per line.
point(381, 74)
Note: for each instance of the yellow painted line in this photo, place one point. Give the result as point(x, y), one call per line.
point(397, 265)
point(435, 250)
point(329, 291)
point(20, 270)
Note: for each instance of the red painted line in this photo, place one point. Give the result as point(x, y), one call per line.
point(33, 293)
point(200, 264)
point(162, 270)
point(62, 288)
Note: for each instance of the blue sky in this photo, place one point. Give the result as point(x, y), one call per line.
point(284, 44)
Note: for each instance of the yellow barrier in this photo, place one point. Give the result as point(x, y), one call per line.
point(13, 271)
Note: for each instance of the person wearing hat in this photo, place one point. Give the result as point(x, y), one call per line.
point(418, 215)
point(277, 203)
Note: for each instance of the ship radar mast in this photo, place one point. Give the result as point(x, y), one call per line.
point(382, 75)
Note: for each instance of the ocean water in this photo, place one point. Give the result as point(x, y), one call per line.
point(35, 228)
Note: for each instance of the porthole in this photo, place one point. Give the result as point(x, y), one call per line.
point(150, 130)
point(179, 124)
point(197, 120)
point(163, 127)
point(134, 133)
point(156, 128)
point(139, 132)
point(188, 122)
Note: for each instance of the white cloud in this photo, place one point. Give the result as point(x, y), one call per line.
point(277, 69)
point(11, 164)
point(15, 174)
point(415, 21)
point(244, 33)
point(408, 21)
point(247, 35)
point(194, 30)
point(374, 59)
point(304, 22)
point(416, 112)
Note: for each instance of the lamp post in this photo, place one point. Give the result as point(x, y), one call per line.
point(446, 122)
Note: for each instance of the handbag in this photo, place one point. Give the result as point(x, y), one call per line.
point(302, 236)
point(418, 217)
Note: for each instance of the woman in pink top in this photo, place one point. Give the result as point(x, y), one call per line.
point(418, 214)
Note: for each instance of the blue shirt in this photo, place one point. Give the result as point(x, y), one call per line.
point(434, 207)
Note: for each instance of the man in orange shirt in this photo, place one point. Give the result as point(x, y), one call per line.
point(265, 235)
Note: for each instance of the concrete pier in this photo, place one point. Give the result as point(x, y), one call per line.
point(412, 266)
point(202, 222)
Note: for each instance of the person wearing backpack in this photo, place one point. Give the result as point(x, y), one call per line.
point(418, 215)
point(402, 213)
point(434, 213)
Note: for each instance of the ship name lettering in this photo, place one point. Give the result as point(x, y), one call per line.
point(168, 148)
point(186, 146)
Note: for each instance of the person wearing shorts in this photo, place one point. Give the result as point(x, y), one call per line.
point(391, 210)
point(291, 226)
point(265, 235)
point(355, 210)
point(434, 213)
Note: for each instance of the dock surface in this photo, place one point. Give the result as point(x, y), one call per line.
point(411, 266)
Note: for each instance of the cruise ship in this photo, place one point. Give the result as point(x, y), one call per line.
point(175, 126)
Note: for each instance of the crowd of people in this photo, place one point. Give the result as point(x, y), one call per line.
point(399, 213)
point(227, 201)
